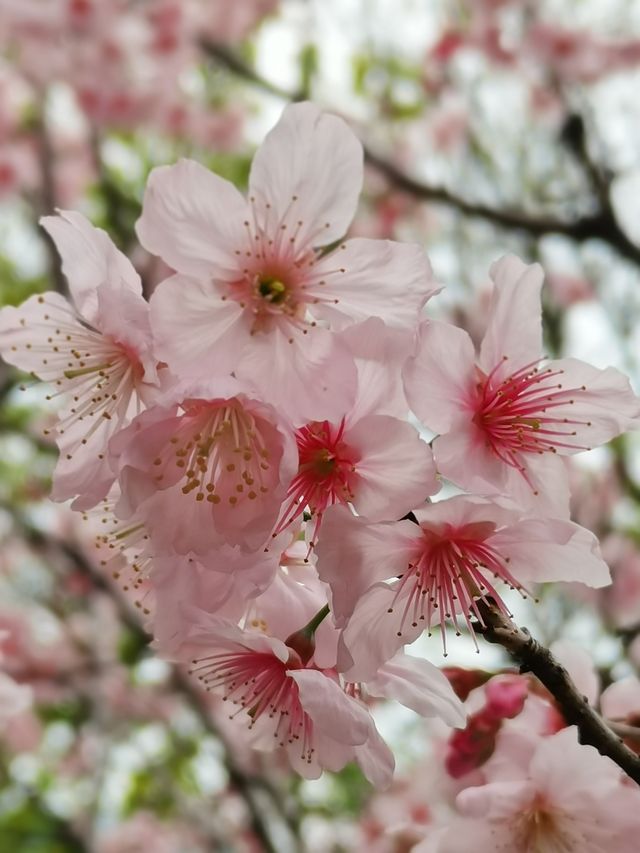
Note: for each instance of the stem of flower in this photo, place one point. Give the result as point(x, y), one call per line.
point(575, 708)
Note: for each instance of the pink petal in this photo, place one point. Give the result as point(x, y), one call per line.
point(496, 800)
point(463, 457)
point(24, 333)
point(621, 699)
point(307, 174)
point(545, 491)
point(123, 315)
point(380, 278)
point(379, 352)
point(440, 378)
point(418, 684)
point(306, 378)
point(546, 549)
point(194, 331)
point(83, 473)
point(463, 510)
point(332, 711)
point(515, 327)
point(375, 632)
point(89, 259)
point(193, 220)
point(353, 555)
point(376, 760)
point(579, 664)
point(603, 404)
point(396, 471)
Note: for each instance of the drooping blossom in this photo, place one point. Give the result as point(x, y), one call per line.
point(391, 581)
point(96, 351)
point(371, 458)
point(209, 466)
point(506, 417)
point(545, 795)
point(284, 702)
point(252, 293)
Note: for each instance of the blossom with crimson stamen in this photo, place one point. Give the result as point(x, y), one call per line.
point(377, 463)
point(97, 352)
point(391, 581)
point(284, 702)
point(505, 418)
point(252, 293)
point(371, 458)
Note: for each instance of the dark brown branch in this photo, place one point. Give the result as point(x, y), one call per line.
point(47, 200)
point(576, 710)
point(601, 225)
point(625, 731)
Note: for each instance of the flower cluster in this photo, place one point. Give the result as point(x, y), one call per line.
point(243, 441)
point(515, 779)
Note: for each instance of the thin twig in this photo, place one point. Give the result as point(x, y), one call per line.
point(537, 659)
point(601, 225)
point(47, 199)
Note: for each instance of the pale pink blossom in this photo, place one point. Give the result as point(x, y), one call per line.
point(14, 698)
point(252, 294)
point(285, 703)
point(506, 417)
point(96, 351)
point(391, 581)
point(546, 795)
point(209, 466)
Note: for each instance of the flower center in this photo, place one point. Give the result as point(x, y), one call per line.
point(326, 472)
point(448, 573)
point(221, 452)
point(539, 828)
point(273, 290)
point(522, 413)
point(259, 685)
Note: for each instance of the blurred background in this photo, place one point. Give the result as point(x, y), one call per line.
point(489, 126)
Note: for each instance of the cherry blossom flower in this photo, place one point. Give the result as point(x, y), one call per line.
point(252, 294)
point(209, 466)
point(372, 458)
point(546, 794)
point(96, 351)
point(507, 417)
point(300, 708)
point(391, 581)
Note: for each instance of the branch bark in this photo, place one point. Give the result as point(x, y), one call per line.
point(47, 200)
point(601, 225)
point(576, 710)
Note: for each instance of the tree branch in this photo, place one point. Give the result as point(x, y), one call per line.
point(47, 200)
point(576, 710)
point(601, 225)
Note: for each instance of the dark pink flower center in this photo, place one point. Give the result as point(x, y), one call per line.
point(326, 471)
point(258, 683)
point(449, 572)
point(277, 281)
point(519, 414)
